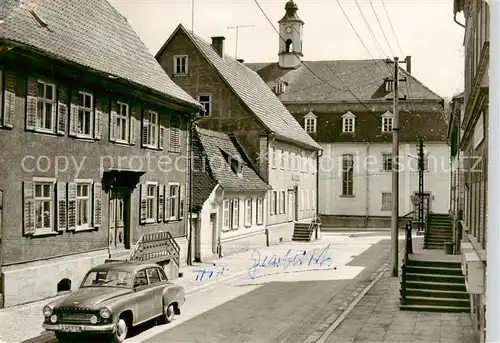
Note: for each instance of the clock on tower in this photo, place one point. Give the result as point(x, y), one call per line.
point(288, 29)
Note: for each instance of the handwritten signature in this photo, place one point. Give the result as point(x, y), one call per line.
point(209, 272)
point(299, 260)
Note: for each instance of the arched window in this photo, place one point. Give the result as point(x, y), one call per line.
point(64, 285)
point(289, 47)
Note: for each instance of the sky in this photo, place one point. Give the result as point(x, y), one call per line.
point(333, 30)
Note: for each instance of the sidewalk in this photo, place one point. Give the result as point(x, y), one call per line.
point(377, 318)
point(20, 323)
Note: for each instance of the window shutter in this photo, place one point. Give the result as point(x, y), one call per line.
point(161, 202)
point(181, 202)
point(62, 210)
point(71, 206)
point(31, 104)
point(9, 112)
point(144, 205)
point(112, 122)
point(98, 119)
point(29, 208)
point(73, 115)
point(174, 133)
point(161, 137)
point(132, 120)
point(144, 129)
point(167, 203)
point(62, 113)
point(97, 205)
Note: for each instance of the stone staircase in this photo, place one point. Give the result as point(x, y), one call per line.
point(433, 286)
point(303, 231)
point(439, 230)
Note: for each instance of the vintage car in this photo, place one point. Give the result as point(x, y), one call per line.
point(112, 298)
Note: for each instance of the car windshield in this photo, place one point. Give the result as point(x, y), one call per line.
point(108, 278)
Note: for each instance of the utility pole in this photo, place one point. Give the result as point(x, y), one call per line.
point(395, 168)
point(237, 27)
point(395, 171)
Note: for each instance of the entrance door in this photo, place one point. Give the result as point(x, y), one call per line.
point(296, 203)
point(117, 219)
point(291, 206)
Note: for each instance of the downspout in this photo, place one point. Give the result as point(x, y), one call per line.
point(192, 125)
point(456, 21)
point(318, 155)
point(270, 139)
point(367, 206)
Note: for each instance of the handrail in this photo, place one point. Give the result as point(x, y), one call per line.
point(137, 252)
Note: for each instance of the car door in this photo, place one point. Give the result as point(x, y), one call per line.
point(157, 286)
point(143, 296)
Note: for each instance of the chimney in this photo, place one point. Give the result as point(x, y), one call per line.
point(240, 60)
point(218, 45)
point(408, 64)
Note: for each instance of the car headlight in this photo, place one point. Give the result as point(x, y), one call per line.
point(105, 312)
point(47, 311)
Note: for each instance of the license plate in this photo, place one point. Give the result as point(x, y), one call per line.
point(71, 328)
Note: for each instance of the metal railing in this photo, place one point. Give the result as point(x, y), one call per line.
point(156, 247)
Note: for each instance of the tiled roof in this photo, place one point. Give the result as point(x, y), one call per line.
point(214, 144)
point(254, 93)
point(364, 78)
point(203, 185)
point(92, 34)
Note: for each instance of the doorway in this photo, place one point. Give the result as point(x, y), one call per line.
point(213, 225)
point(119, 230)
point(291, 206)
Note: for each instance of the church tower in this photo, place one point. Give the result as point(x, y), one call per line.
point(291, 31)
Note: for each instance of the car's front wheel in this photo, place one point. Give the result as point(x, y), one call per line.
point(121, 331)
point(168, 313)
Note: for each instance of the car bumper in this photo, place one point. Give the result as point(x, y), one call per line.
point(71, 328)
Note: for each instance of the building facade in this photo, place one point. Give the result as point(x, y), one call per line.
point(230, 197)
point(92, 139)
point(346, 106)
point(238, 102)
point(471, 143)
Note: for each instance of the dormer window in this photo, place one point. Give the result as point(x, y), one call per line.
point(389, 85)
point(234, 162)
point(310, 121)
point(387, 122)
point(279, 87)
point(348, 122)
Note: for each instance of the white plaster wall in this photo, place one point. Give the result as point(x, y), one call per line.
point(282, 178)
point(370, 180)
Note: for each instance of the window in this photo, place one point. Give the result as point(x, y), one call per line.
point(175, 138)
point(231, 214)
point(387, 122)
point(44, 206)
point(310, 125)
point(151, 201)
point(248, 212)
point(279, 87)
point(283, 202)
point(297, 162)
point(150, 129)
point(180, 65)
point(386, 201)
point(273, 157)
point(226, 214)
point(313, 199)
point(235, 206)
point(292, 161)
point(348, 122)
point(206, 101)
point(282, 159)
point(389, 85)
point(153, 275)
point(83, 207)
point(387, 162)
point(46, 106)
point(173, 201)
point(347, 174)
point(260, 211)
point(274, 202)
point(122, 122)
point(140, 279)
point(287, 160)
point(85, 114)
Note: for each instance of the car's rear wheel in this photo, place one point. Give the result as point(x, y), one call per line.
point(168, 313)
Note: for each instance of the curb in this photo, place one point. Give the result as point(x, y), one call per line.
point(213, 283)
